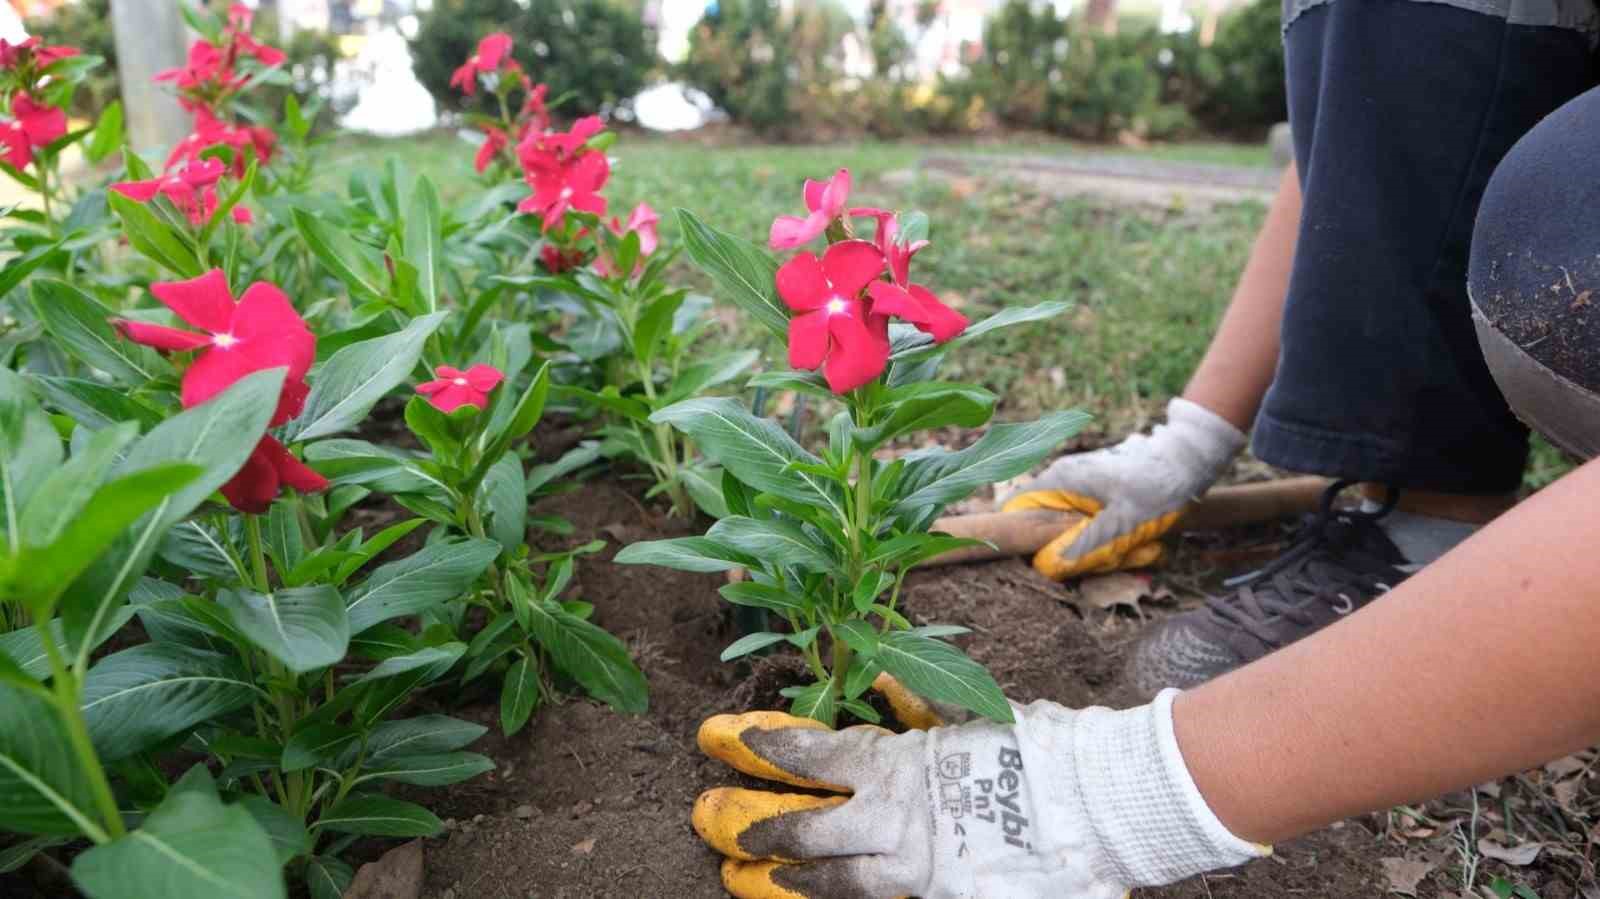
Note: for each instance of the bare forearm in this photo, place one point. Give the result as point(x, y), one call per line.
point(1479, 665)
point(1238, 366)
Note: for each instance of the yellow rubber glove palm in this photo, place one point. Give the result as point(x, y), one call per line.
point(1130, 494)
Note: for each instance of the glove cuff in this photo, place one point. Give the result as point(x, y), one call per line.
point(1212, 439)
point(1152, 825)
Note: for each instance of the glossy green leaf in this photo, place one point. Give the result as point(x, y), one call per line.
point(755, 450)
point(317, 743)
point(700, 554)
point(702, 376)
point(138, 697)
point(938, 477)
point(921, 407)
point(439, 770)
point(435, 574)
point(328, 877)
point(379, 816)
point(424, 241)
point(592, 657)
point(42, 791)
point(941, 672)
point(352, 381)
point(286, 832)
point(506, 498)
point(923, 347)
point(64, 491)
point(423, 735)
point(191, 847)
point(750, 643)
point(154, 238)
point(519, 695)
point(773, 541)
point(92, 404)
point(743, 270)
point(30, 449)
point(82, 327)
point(764, 596)
point(359, 266)
point(305, 628)
point(814, 701)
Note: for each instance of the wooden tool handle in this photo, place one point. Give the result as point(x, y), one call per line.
point(1025, 533)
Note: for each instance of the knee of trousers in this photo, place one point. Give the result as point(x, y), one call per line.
point(1534, 277)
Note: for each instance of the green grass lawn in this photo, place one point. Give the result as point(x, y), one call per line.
point(1146, 289)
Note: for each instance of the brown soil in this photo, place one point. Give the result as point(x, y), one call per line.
point(588, 803)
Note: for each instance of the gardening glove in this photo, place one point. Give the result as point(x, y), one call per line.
point(1130, 494)
point(1062, 804)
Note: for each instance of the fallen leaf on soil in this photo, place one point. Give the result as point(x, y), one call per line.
point(1572, 764)
point(1519, 856)
point(1404, 874)
point(1581, 301)
point(583, 847)
point(396, 875)
point(1108, 591)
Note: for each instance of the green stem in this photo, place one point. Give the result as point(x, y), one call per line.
point(666, 448)
point(469, 511)
point(841, 665)
point(65, 687)
point(258, 557)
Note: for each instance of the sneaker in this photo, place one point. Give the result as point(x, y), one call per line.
point(1341, 561)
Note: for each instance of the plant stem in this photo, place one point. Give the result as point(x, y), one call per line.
point(65, 687)
point(469, 512)
point(669, 453)
point(258, 558)
point(841, 665)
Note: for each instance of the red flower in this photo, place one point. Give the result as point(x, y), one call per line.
point(261, 331)
point(209, 131)
point(902, 299)
point(191, 189)
point(492, 51)
point(267, 56)
point(269, 468)
point(456, 388)
point(12, 54)
point(240, 17)
point(559, 187)
point(43, 124)
point(824, 201)
point(533, 108)
point(15, 147)
point(494, 140)
point(557, 260)
point(205, 64)
point(834, 325)
point(642, 221)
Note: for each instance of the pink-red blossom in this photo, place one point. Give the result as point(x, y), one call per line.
point(13, 54)
point(556, 260)
point(912, 303)
point(642, 221)
point(15, 148)
point(270, 468)
point(262, 330)
point(494, 140)
point(247, 142)
point(43, 124)
point(835, 328)
point(493, 50)
point(561, 187)
point(825, 202)
point(191, 187)
point(455, 388)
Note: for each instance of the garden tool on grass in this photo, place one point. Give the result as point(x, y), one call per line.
point(1087, 804)
point(1041, 526)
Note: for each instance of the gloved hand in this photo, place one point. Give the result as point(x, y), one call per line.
point(1062, 804)
point(1131, 493)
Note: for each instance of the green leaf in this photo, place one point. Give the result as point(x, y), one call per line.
point(217, 435)
point(524, 415)
point(42, 791)
point(938, 477)
point(815, 701)
point(435, 574)
point(592, 657)
point(25, 650)
point(379, 816)
point(439, 770)
point(43, 573)
point(287, 832)
point(328, 877)
point(924, 347)
point(745, 272)
point(359, 266)
point(703, 376)
point(83, 328)
point(910, 549)
point(286, 544)
point(138, 697)
point(654, 324)
point(764, 596)
point(808, 382)
point(65, 491)
point(700, 554)
point(940, 672)
point(13, 857)
point(155, 239)
point(423, 735)
point(92, 404)
point(352, 381)
point(379, 468)
point(30, 449)
point(519, 695)
point(305, 628)
point(750, 643)
point(858, 635)
point(315, 743)
point(506, 498)
point(20, 267)
point(424, 241)
point(755, 450)
point(772, 541)
point(920, 407)
point(434, 660)
point(191, 847)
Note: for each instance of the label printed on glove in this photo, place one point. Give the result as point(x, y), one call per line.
point(983, 802)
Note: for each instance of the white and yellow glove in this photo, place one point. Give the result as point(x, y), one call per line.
point(1062, 804)
point(1131, 493)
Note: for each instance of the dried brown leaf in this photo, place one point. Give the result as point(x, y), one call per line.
point(1405, 874)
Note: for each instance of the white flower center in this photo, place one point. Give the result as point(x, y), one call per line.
point(566, 193)
point(460, 382)
point(223, 341)
point(837, 306)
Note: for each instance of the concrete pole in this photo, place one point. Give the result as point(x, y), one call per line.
point(150, 37)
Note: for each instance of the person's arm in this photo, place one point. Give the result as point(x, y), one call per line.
point(1481, 665)
point(1239, 364)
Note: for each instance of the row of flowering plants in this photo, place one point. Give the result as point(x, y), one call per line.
point(217, 373)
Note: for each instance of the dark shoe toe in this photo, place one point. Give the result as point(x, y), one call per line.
point(1181, 652)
